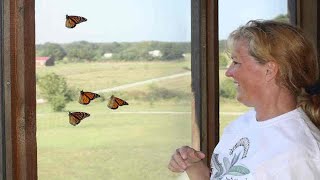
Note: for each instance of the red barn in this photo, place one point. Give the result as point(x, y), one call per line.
point(44, 61)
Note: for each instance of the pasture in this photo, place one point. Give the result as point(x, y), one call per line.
point(133, 142)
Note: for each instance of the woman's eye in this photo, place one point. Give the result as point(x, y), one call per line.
point(235, 62)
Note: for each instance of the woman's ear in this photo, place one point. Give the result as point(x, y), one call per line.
point(271, 70)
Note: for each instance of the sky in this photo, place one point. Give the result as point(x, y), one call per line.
point(140, 20)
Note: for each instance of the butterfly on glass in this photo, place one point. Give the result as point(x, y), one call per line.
point(86, 97)
point(115, 102)
point(76, 117)
point(72, 21)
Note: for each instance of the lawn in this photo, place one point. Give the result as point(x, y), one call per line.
point(110, 144)
point(133, 142)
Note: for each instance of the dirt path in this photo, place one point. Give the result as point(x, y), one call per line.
point(125, 86)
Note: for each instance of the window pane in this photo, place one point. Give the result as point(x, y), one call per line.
point(136, 50)
point(232, 14)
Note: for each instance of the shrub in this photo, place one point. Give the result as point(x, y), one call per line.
point(54, 88)
point(227, 89)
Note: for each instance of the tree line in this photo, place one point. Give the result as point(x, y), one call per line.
point(127, 51)
point(88, 51)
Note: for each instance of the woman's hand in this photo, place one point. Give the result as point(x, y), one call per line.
point(183, 158)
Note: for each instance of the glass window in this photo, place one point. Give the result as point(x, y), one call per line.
point(136, 50)
point(232, 14)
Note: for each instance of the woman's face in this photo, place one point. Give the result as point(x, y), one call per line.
point(247, 73)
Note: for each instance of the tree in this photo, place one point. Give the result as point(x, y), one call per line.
point(81, 50)
point(54, 88)
point(223, 60)
point(223, 45)
point(170, 52)
point(282, 18)
point(52, 50)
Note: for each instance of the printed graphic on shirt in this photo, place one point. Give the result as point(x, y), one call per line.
point(231, 167)
point(245, 143)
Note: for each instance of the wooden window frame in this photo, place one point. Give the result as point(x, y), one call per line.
point(18, 90)
point(18, 150)
point(2, 106)
point(205, 75)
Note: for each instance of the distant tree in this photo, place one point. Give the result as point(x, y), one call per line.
point(282, 18)
point(129, 54)
point(113, 47)
point(81, 50)
point(52, 50)
point(222, 45)
point(223, 60)
point(116, 47)
point(170, 52)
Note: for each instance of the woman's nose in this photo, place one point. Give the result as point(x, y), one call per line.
point(228, 73)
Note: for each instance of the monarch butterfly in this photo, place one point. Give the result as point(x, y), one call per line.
point(76, 117)
point(115, 102)
point(86, 97)
point(72, 21)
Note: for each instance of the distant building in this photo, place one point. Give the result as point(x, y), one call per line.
point(44, 61)
point(107, 55)
point(155, 53)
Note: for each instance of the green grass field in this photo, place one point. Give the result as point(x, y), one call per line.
point(110, 144)
point(127, 143)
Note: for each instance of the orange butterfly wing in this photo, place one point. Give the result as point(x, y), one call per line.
point(72, 21)
point(76, 117)
point(115, 102)
point(86, 97)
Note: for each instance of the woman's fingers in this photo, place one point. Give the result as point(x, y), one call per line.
point(194, 156)
point(174, 167)
point(177, 163)
point(178, 157)
point(184, 157)
point(184, 151)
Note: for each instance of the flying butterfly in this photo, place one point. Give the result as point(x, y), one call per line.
point(115, 102)
point(76, 117)
point(72, 21)
point(86, 97)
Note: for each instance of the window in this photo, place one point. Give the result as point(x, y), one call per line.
point(139, 51)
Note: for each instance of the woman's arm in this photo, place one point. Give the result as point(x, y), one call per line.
point(198, 171)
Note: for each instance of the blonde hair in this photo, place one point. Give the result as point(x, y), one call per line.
point(292, 51)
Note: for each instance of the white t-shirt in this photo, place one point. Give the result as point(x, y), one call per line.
point(286, 147)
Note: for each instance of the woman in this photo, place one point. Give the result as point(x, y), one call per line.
point(275, 70)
